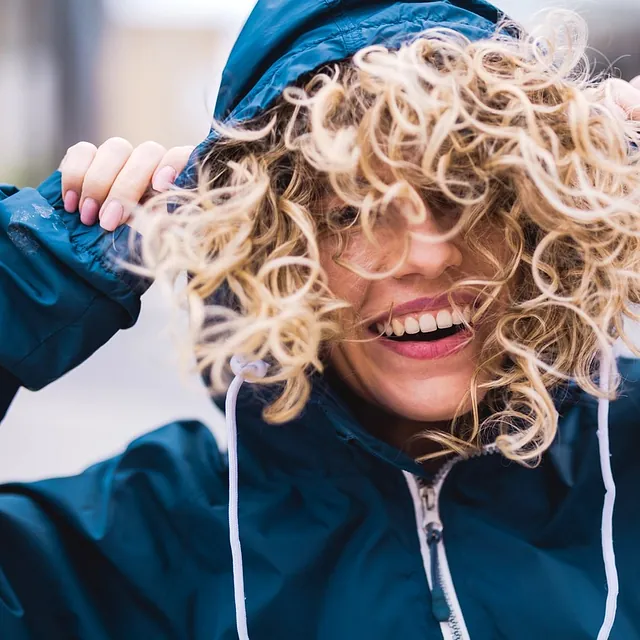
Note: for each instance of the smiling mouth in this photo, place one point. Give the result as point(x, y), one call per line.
point(428, 327)
point(432, 336)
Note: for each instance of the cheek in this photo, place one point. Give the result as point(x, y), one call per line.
point(343, 283)
point(492, 258)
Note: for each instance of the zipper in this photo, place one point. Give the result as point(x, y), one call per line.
point(426, 500)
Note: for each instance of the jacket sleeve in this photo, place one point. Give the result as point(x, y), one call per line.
point(134, 547)
point(62, 294)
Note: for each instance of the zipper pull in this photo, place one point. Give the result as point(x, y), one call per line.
point(428, 495)
point(439, 605)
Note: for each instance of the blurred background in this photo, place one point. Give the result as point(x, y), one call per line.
point(75, 70)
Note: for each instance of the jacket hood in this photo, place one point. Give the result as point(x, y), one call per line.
point(284, 39)
point(281, 41)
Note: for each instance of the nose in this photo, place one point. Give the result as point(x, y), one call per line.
point(426, 258)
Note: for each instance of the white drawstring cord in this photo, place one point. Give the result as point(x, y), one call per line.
point(608, 553)
point(239, 367)
point(259, 369)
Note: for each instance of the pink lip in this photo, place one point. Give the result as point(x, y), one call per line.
point(430, 350)
point(420, 305)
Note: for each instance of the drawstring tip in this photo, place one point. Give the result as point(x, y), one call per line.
point(241, 366)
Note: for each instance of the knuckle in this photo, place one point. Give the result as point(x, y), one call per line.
point(119, 144)
point(97, 187)
point(82, 147)
point(619, 87)
point(72, 175)
point(126, 187)
point(178, 155)
point(184, 152)
point(151, 148)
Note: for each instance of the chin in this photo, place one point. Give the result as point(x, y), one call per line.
point(424, 412)
point(426, 401)
point(414, 390)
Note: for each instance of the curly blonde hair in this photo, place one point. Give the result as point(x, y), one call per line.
point(514, 131)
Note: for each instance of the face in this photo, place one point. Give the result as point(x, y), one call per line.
point(422, 371)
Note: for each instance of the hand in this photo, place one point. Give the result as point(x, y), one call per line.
point(624, 97)
point(106, 183)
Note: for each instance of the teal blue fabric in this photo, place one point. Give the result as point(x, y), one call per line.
point(284, 39)
point(60, 299)
point(136, 547)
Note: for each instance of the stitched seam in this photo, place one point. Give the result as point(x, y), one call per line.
point(347, 30)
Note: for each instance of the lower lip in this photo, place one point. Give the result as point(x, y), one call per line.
point(435, 350)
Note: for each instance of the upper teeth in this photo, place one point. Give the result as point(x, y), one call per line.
point(426, 323)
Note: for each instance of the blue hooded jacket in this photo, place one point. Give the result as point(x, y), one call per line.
point(337, 527)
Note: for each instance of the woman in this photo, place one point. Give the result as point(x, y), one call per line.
point(420, 254)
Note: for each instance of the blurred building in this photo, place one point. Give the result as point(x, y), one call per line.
point(45, 54)
point(162, 64)
point(75, 70)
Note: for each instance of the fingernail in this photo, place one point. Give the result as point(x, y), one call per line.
point(71, 201)
point(164, 178)
point(111, 216)
point(89, 211)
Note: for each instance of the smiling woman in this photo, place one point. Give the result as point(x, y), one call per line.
point(416, 229)
point(470, 262)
